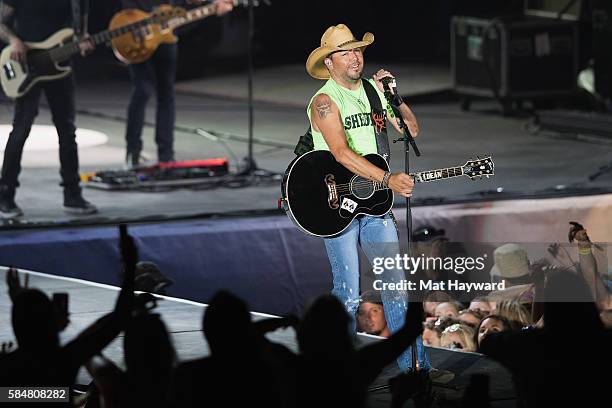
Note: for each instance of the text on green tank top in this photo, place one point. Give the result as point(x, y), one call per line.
point(355, 113)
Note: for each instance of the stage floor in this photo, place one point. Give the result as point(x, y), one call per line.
point(524, 163)
point(89, 301)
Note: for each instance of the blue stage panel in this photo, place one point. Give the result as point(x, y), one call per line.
point(266, 260)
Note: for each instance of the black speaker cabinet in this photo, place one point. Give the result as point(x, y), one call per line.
point(514, 59)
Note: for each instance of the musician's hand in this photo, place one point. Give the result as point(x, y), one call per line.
point(402, 184)
point(223, 6)
point(380, 75)
point(19, 51)
point(13, 282)
point(86, 45)
point(579, 235)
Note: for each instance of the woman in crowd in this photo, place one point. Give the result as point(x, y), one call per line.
point(490, 324)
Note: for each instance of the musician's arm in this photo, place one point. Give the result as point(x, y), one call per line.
point(409, 118)
point(325, 118)
point(404, 109)
point(19, 50)
point(6, 14)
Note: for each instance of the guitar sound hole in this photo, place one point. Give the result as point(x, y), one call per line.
point(362, 188)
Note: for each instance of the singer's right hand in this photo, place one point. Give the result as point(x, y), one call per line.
point(402, 184)
point(380, 75)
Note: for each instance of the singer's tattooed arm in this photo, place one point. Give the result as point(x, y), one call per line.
point(6, 14)
point(323, 106)
point(325, 118)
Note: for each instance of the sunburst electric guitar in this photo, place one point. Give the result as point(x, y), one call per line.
point(322, 197)
point(138, 45)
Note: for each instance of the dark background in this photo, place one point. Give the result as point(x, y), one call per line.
point(288, 30)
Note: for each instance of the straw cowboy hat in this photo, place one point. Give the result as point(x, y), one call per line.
point(335, 38)
point(510, 262)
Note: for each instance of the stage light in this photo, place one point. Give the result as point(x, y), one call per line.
point(43, 137)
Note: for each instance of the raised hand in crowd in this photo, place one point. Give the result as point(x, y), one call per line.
point(578, 233)
point(129, 257)
point(588, 265)
point(7, 347)
point(13, 282)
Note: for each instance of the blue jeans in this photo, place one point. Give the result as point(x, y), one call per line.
point(377, 236)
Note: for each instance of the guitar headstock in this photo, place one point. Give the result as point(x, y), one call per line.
point(480, 167)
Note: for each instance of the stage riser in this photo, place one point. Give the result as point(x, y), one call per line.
point(268, 261)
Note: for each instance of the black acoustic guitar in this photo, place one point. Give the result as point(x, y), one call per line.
point(322, 197)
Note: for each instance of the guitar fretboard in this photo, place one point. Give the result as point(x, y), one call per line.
point(440, 174)
point(427, 176)
point(192, 16)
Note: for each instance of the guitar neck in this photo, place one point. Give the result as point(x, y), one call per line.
point(68, 49)
point(427, 176)
point(193, 15)
point(440, 174)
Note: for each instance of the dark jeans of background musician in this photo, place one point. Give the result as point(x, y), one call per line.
point(155, 74)
point(60, 96)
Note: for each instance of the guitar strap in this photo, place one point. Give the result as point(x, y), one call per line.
point(379, 125)
point(379, 121)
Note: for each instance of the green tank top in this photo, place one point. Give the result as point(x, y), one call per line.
point(355, 112)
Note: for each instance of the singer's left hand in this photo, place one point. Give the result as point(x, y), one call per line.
point(380, 75)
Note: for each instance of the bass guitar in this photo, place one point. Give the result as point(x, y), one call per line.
point(322, 196)
point(49, 60)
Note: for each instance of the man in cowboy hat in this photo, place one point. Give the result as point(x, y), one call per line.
point(342, 122)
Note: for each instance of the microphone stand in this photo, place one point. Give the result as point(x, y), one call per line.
point(251, 174)
point(417, 379)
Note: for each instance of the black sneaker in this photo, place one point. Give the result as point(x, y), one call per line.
point(8, 208)
point(78, 205)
